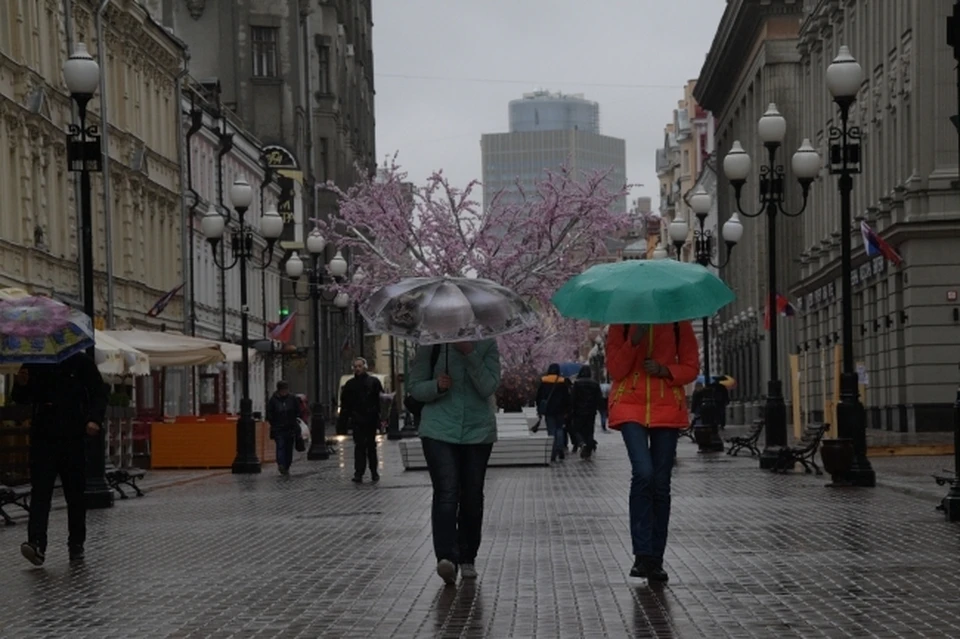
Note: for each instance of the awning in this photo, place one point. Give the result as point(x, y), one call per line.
point(165, 348)
point(119, 358)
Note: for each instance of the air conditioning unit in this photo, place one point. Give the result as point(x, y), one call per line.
point(349, 50)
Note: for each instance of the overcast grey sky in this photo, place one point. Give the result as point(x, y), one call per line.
point(446, 69)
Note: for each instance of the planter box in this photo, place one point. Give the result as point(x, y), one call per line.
point(203, 444)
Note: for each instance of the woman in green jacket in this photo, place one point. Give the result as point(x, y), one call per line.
point(458, 427)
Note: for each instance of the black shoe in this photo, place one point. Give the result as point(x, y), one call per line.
point(639, 569)
point(76, 553)
point(357, 479)
point(32, 553)
point(374, 477)
point(655, 571)
point(586, 452)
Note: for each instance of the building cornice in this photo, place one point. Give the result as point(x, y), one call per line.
point(736, 38)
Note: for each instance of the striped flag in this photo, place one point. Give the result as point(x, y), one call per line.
point(784, 309)
point(875, 245)
point(283, 332)
point(164, 300)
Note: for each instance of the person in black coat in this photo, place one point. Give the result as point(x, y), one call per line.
point(283, 410)
point(69, 402)
point(360, 408)
point(586, 397)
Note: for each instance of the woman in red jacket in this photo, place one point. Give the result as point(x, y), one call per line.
point(649, 365)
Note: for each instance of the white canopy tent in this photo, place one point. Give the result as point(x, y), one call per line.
point(172, 349)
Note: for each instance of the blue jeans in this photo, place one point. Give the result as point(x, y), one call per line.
point(651, 452)
point(457, 472)
point(555, 430)
point(285, 443)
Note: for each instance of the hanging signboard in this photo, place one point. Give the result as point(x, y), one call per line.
point(289, 178)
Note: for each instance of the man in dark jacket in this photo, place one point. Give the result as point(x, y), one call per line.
point(360, 408)
point(586, 398)
point(69, 402)
point(553, 402)
point(282, 413)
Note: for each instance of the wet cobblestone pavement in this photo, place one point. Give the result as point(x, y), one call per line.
point(751, 554)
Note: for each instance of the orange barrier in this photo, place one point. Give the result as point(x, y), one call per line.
point(203, 442)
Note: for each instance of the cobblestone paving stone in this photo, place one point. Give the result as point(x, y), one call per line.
point(751, 554)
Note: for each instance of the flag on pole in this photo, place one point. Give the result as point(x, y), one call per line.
point(875, 245)
point(784, 309)
point(283, 332)
point(164, 300)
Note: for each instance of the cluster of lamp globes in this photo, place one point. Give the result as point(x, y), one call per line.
point(844, 77)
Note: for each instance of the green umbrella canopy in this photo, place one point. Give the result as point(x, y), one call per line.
point(642, 292)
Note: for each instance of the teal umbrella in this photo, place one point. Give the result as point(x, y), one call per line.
point(643, 292)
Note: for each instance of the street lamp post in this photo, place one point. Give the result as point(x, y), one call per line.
point(771, 129)
point(844, 77)
point(241, 239)
point(703, 247)
point(337, 268)
point(82, 74)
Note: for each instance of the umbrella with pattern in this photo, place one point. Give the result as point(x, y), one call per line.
point(41, 330)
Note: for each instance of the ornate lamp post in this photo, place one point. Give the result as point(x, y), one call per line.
point(337, 268)
point(82, 74)
point(707, 433)
point(771, 129)
point(844, 77)
point(271, 227)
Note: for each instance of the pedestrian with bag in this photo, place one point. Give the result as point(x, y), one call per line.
point(360, 411)
point(553, 402)
point(69, 402)
point(283, 411)
point(649, 366)
point(458, 428)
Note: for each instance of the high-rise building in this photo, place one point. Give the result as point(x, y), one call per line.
point(548, 131)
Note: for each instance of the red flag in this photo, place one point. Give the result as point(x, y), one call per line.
point(784, 308)
point(283, 331)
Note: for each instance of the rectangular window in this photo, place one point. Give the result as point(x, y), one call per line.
point(264, 51)
point(323, 52)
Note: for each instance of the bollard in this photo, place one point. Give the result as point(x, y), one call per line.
point(951, 503)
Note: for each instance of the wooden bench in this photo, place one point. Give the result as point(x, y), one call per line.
point(748, 441)
point(516, 445)
point(15, 496)
point(804, 452)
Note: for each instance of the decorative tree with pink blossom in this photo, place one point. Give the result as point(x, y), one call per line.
point(531, 244)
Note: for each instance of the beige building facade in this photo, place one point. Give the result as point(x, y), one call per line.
point(136, 200)
point(754, 60)
point(906, 318)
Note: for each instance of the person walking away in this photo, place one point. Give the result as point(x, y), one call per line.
point(360, 408)
point(585, 398)
point(553, 401)
point(458, 427)
point(69, 401)
point(605, 390)
point(283, 409)
point(721, 397)
point(649, 366)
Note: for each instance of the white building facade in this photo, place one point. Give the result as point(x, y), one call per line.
point(221, 151)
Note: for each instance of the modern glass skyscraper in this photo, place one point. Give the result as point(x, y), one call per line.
point(548, 130)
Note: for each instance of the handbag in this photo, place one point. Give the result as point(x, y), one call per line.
point(299, 444)
point(540, 409)
point(415, 406)
point(303, 433)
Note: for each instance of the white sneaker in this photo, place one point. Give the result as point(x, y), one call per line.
point(447, 571)
point(468, 571)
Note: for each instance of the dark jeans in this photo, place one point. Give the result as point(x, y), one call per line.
point(652, 452)
point(603, 415)
point(365, 449)
point(49, 459)
point(285, 443)
point(584, 430)
point(457, 472)
point(556, 430)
